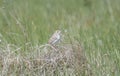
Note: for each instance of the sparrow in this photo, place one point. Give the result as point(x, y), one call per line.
point(55, 38)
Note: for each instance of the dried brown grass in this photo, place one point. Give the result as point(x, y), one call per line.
point(62, 60)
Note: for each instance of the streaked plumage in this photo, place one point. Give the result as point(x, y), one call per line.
point(55, 37)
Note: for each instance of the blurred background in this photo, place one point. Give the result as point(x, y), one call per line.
point(34, 20)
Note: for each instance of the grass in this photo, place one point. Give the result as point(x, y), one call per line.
point(26, 25)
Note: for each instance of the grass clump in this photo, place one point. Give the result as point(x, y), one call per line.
point(67, 59)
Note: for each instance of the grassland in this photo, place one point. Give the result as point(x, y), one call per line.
point(25, 25)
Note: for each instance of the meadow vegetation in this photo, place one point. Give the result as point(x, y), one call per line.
point(90, 45)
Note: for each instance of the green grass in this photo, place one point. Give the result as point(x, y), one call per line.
point(28, 24)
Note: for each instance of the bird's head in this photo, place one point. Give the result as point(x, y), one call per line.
point(58, 32)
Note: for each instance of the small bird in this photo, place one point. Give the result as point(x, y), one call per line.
point(55, 38)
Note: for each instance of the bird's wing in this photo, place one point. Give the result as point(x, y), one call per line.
point(52, 39)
